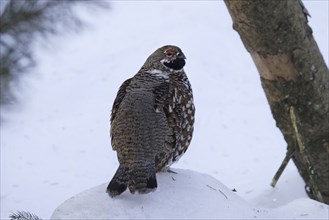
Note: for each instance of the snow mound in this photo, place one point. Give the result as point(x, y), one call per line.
point(182, 195)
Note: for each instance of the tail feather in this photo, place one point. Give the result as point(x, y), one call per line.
point(142, 178)
point(119, 182)
point(139, 178)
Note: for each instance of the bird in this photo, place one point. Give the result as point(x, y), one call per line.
point(152, 121)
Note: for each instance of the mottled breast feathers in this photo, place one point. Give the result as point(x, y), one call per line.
point(152, 121)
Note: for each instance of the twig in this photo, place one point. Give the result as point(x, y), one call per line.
point(211, 187)
point(222, 193)
point(216, 190)
point(281, 168)
point(171, 171)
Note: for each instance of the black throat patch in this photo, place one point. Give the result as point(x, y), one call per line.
point(176, 64)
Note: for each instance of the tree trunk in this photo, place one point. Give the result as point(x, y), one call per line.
point(295, 79)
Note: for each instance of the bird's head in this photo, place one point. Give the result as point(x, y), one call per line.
point(168, 57)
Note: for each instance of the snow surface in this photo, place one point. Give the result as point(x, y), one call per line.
point(184, 195)
point(56, 143)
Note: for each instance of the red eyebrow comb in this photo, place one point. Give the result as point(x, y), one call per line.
point(170, 51)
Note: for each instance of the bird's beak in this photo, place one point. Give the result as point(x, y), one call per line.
point(181, 56)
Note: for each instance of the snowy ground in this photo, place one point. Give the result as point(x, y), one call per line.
point(184, 195)
point(56, 144)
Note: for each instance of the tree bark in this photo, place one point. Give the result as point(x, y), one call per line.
point(295, 79)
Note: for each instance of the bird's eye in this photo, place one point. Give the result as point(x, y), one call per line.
point(170, 52)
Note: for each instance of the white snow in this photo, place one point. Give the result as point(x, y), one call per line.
point(179, 196)
point(184, 195)
point(56, 143)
